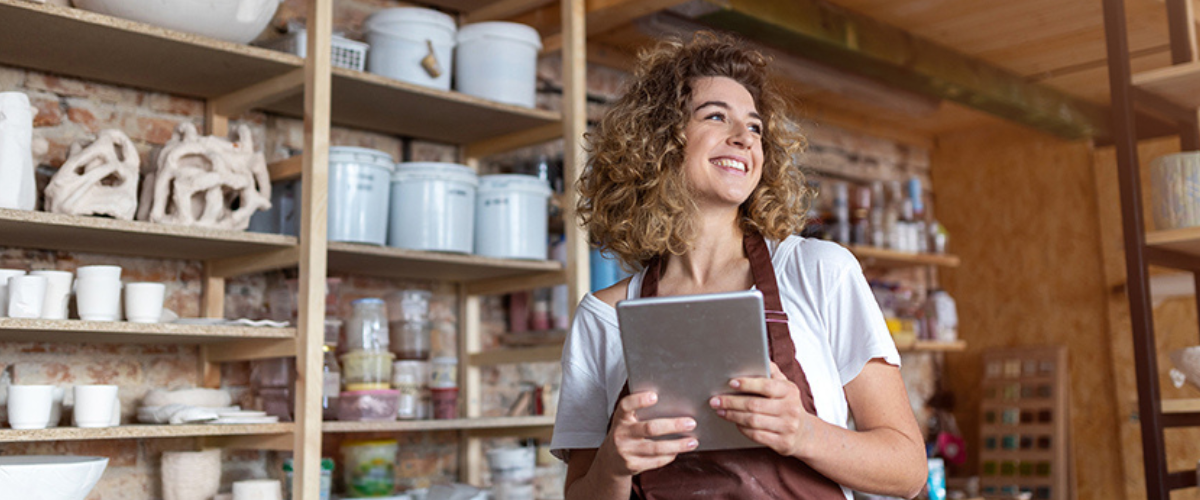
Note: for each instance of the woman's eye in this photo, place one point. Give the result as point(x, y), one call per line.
point(715, 116)
point(756, 128)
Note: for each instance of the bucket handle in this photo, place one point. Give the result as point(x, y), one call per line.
point(430, 62)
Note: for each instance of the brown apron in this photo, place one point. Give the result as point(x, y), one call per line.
point(754, 473)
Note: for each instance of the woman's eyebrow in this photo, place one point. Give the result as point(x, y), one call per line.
point(725, 106)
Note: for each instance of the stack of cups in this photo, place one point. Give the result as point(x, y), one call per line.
point(512, 472)
point(367, 365)
point(58, 292)
point(98, 293)
point(5, 274)
point(26, 295)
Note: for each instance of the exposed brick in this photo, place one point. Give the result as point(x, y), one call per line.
point(173, 105)
point(120, 452)
point(78, 88)
point(12, 78)
point(49, 110)
point(152, 129)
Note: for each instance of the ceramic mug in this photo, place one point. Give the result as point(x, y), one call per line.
point(29, 406)
point(257, 489)
point(98, 299)
point(94, 405)
point(26, 296)
point(144, 302)
point(5, 274)
point(58, 292)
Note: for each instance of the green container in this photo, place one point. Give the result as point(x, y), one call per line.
point(326, 478)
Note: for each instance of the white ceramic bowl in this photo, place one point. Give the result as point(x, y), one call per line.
point(49, 477)
point(238, 21)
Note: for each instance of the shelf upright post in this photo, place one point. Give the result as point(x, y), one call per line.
point(574, 106)
point(1138, 288)
point(318, 90)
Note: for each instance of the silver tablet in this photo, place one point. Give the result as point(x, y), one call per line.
point(686, 349)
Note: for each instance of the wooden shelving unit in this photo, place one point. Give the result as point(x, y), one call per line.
point(932, 346)
point(1184, 241)
point(234, 78)
point(1176, 84)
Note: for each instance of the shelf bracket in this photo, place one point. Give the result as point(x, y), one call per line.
point(265, 92)
point(275, 442)
point(513, 141)
point(499, 286)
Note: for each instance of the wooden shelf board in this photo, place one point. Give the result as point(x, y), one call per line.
point(459, 5)
point(391, 262)
point(107, 332)
point(48, 231)
point(509, 356)
point(884, 258)
point(441, 425)
point(1177, 84)
point(97, 47)
point(1181, 405)
point(373, 102)
point(933, 346)
point(1184, 240)
point(141, 432)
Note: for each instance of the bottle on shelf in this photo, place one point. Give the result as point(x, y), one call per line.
point(860, 209)
point(892, 226)
point(920, 234)
point(409, 326)
point(841, 213)
point(876, 215)
point(331, 370)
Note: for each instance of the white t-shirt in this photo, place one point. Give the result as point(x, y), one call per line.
point(832, 317)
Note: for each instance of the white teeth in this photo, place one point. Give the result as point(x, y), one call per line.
point(725, 162)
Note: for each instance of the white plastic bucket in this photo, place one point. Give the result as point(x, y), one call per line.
point(510, 216)
point(433, 207)
point(498, 61)
point(358, 194)
point(400, 38)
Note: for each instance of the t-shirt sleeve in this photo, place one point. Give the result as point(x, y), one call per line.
point(582, 417)
point(859, 333)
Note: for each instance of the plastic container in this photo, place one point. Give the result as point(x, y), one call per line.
point(411, 44)
point(445, 402)
point(377, 405)
point(367, 367)
point(512, 465)
point(326, 478)
point(367, 328)
point(1175, 190)
point(277, 402)
point(358, 194)
point(409, 304)
point(410, 339)
point(409, 378)
point(346, 53)
point(369, 467)
point(443, 372)
point(510, 216)
point(498, 61)
point(433, 207)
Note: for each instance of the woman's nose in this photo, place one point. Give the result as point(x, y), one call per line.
point(740, 136)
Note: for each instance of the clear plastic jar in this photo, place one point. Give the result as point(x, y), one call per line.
point(332, 385)
point(368, 328)
point(370, 467)
point(367, 367)
point(410, 339)
point(409, 305)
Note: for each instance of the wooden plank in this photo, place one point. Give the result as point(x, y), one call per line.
point(1181, 405)
point(286, 169)
point(369, 260)
point(215, 123)
point(377, 103)
point(574, 64)
point(1176, 84)
point(92, 46)
point(509, 356)
point(470, 343)
point(109, 332)
point(502, 285)
point(603, 17)
point(212, 295)
point(140, 432)
point(275, 442)
point(513, 141)
point(840, 38)
point(48, 231)
point(503, 9)
point(253, 96)
point(256, 263)
point(247, 350)
point(885, 258)
point(439, 425)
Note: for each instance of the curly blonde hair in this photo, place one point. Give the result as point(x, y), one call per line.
point(634, 198)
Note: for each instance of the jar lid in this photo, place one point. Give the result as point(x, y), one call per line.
point(500, 29)
point(381, 20)
point(368, 301)
point(514, 182)
point(369, 442)
point(450, 172)
point(364, 156)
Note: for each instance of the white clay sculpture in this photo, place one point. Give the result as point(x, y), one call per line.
point(100, 179)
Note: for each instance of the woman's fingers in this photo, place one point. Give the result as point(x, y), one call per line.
point(638, 444)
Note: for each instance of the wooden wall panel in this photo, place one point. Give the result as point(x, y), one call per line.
point(1020, 207)
point(1174, 323)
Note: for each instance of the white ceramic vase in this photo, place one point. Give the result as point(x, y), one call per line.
point(19, 190)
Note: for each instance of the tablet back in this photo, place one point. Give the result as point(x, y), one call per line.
point(687, 348)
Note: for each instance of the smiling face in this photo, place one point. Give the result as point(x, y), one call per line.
point(724, 153)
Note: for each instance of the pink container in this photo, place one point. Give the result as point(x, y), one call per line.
point(379, 404)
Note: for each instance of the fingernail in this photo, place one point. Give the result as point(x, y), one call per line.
point(652, 397)
point(735, 383)
point(689, 425)
point(715, 402)
point(692, 444)
point(720, 413)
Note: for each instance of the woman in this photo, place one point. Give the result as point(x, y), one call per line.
point(692, 179)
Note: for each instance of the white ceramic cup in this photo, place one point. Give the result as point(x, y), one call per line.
point(257, 489)
point(58, 292)
point(98, 299)
point(26, 295)
point(5, 274)
point(56, 406)
point(29, 406)
point(94, 405)
point(109, 273)
point(144, 302)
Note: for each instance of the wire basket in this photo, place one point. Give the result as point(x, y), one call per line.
point(347, 53)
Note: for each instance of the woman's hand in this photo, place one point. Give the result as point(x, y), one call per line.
point(769, 412)
point(629, 450)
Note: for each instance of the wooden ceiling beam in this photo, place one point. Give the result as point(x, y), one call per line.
point(842, 39)
point(505, 9)
point(606, 15)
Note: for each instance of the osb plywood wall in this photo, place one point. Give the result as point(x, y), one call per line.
point(1021, 210)
point(1175, 325)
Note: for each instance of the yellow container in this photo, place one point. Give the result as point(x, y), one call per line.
point(367, 367)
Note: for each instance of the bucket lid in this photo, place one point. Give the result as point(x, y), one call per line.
point(385, 20)
point(452, 172)
point(514, 182)
point(364, 156)
point(500, 29)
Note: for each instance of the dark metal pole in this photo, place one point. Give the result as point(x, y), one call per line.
point(1141, 313)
